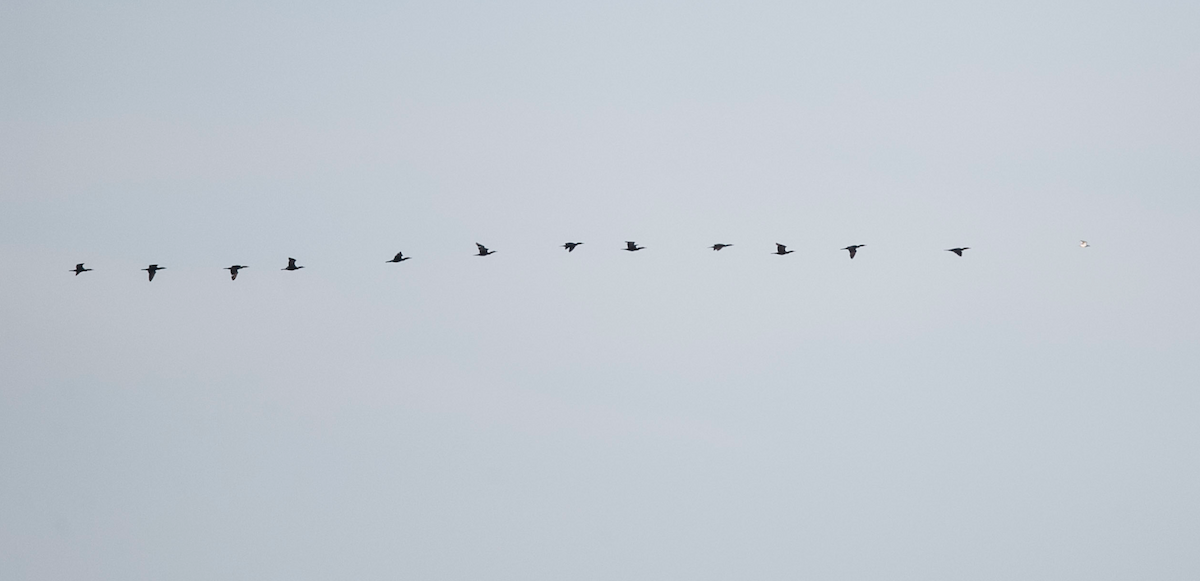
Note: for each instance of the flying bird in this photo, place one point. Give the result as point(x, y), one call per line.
point(958, 251)
point(233, 270)
point(400, 257)
point(632, 246)
point(153, 269)
point(720, 246)
point(483, 251)
point(292, 265)
point(853, 249)
point(570, 246)
point(79, 268)
point(781, 249)
point(1083, 244)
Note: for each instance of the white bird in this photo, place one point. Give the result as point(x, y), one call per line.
point(1083, 244)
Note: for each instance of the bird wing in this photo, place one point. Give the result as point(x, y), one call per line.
point(780, 248)
point(630, 245)
point(291, 263)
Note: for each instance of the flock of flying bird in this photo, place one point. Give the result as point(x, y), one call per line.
point(780, 249)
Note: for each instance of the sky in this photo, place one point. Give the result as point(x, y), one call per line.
point(1026, 411)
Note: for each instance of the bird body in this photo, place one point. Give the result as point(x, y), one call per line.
point(853, 248)
point(632, 246)
point(1083, 244)
point(233, 270)
point(720, 246)
point(570, 246)
point(483, 251)
point(292, 265)
point(780, 249)
point(79, 268)
point(959, 251)
point(400, 257)
point(153, 268)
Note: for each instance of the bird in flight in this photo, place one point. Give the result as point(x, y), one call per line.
point(292, 265)
point(853, 249)
point(233, 270)
point(153, 268)
point(781, 249)
point(720, 246)
point(483, 251)
point(958, 251)
point(632, 246)
point(79, 268)
point(1083, 244)
point(570, 246)
point(400, 257)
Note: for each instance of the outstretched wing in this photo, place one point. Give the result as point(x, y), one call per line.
point(780, 248)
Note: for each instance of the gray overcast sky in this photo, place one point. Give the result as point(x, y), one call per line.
point(1027, 411)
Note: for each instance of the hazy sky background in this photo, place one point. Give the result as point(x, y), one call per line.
point(1028, 411)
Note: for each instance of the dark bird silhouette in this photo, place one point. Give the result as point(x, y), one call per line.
point(853, 249)
point(720, 246)
point(292, 265)
point(79, 268)
point(958, 251)
point(632, 246)
point(400, 257)
point(483, 251)
point(233, 270)
point(153, 268)
point(570, 246)
point(781, 249)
